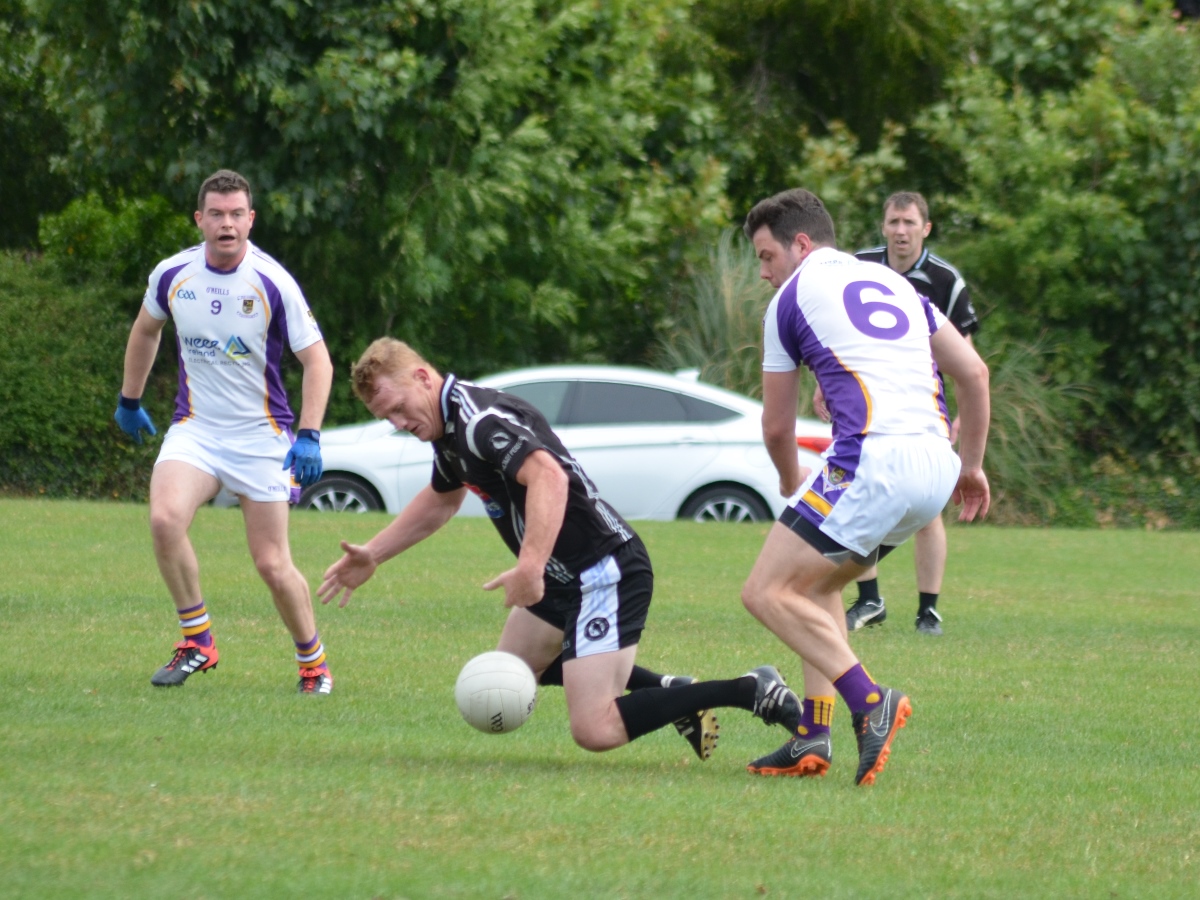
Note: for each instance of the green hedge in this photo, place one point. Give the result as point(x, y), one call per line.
point(62, 347)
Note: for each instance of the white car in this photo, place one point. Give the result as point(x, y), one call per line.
point(657, 446)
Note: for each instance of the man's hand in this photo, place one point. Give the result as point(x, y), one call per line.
point(523, 586)
point(348, 573)
point(132, 419)
point(304, 459)
point(819, 406)
point(973, 493)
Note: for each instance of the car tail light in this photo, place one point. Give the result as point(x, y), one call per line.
point(815, 444)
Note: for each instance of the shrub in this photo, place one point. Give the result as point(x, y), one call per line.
point(91, 242)
point(61, 353)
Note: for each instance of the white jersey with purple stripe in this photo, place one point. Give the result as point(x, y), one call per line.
point(231, 327)
point(864, 332)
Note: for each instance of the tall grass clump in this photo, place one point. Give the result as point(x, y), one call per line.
point(718, 326)
point(1031, 459)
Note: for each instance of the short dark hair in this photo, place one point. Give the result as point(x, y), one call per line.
point(905, 199)
point(790, 213)
point(224, 181)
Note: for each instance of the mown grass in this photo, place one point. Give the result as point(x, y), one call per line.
point(1052, 751)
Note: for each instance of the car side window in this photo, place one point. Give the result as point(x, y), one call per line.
point(546, 396)
point(608, 403)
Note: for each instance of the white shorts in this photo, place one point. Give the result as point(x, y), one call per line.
point(248, 465)
point(878, 490)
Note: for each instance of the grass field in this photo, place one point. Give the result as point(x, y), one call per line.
point(1054, 749)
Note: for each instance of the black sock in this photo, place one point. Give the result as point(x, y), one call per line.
point(925, 601)
point(648, 710)
point(869, 589)
point(640, 679)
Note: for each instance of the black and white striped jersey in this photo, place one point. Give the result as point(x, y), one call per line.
point(488, 435)
point(936, 279)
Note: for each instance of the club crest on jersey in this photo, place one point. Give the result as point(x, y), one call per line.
point(235, 348)
point(834, 478)
point(248, 310)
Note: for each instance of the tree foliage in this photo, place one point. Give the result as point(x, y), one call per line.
point(490, 179)
point(1080, 222)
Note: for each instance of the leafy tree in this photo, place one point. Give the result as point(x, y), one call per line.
point(1080, 221)
point(794, 68)
point(31, 133)
point(489, 179)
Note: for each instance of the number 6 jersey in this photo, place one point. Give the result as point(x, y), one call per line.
point(864, 332)
point(231, 327)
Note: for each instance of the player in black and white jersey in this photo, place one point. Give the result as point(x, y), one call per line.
point(581, 588)
point(905, 226)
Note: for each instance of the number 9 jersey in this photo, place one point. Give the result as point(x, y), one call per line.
point(231, 327)
point(864, 332)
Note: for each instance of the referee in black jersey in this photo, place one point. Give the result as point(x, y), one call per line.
point(905, 226)
point(581, 587)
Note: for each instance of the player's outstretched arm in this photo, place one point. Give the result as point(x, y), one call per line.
point(425, 514)
point(546, 487)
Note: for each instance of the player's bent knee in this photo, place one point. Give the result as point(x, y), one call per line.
point(755, 598)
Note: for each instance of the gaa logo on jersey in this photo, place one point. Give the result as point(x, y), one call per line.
point(596, 629)
point(186, 295)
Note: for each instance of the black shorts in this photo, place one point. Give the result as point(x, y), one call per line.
point(604, 609)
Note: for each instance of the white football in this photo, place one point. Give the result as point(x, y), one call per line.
point(496, 692)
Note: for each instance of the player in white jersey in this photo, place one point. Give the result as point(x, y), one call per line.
point(235, 309)
point(875, 348)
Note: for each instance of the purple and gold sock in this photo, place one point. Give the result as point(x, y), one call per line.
point(194, 625)
point(310, 654)
point(817, 716)
point(858, 689)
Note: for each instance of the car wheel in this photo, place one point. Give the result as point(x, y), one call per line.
point(725, 503)
point(340, 493)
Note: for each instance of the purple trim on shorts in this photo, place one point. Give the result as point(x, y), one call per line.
point(277, 402)
point(841, 465)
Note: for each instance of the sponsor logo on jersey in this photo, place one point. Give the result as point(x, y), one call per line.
point(199, 343)
point(500, 440)
point(223, 292)
point(235, 348)
point(596, 629)
point(490, 506)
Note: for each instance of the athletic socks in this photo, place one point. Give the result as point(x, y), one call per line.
point(817, 717)
point(869, 589)
point(650, 709)
point(310, 654)
point(925, 601)
point(858, 689)
point(193, 623)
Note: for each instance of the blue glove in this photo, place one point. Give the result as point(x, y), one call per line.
point(304, 459)
point(132, 418)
